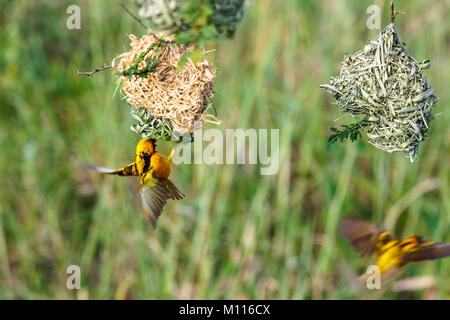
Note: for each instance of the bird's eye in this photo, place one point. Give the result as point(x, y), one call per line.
point(384, 236)
point(412, 240)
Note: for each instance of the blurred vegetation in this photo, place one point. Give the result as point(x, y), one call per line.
point(238, 234)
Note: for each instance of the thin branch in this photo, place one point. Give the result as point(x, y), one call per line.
point(133, 16)
point(394, 12)
point(90, 74)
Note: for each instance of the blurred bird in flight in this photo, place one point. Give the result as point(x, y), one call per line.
point(154, 170)
point(392, 254)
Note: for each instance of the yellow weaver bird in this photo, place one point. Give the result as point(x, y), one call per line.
point(154, 170)
point(392, 254)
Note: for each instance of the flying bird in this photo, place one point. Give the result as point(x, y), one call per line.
point(154, 170)
point(392, 254)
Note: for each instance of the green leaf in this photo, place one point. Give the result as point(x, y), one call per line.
point(351, 132)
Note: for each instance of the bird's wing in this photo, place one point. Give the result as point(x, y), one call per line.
point(129, 170)
point(362, 235)
point(154, 198)
point(154, 194)
point(428, 251)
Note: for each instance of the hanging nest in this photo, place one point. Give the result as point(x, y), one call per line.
point(163, 98)
point(190, 16)
point(227, 15)
point(384, 87)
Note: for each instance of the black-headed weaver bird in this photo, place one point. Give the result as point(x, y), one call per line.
point(154, 170)
point(392, 254)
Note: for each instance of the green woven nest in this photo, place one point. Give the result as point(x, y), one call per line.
point(150, 128)
point(214, 18)
point(227, 15)
point(384, 88)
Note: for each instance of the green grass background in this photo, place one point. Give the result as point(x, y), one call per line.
point(237, 234)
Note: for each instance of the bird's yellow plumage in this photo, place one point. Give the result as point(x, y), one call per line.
point(154, 170)
point(367, 238)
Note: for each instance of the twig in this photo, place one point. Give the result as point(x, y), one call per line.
point(90, 74)
point(133, 16)
point(394, 12)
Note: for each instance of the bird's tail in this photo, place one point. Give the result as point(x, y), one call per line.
point(129, 170)
point(174, 193)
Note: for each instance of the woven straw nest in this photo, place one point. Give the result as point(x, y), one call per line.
point(386, 87)
point(170, 15)
point(164, 99)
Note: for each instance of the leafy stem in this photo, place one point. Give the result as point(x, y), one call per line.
point(151, 62)
point(350, 131)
